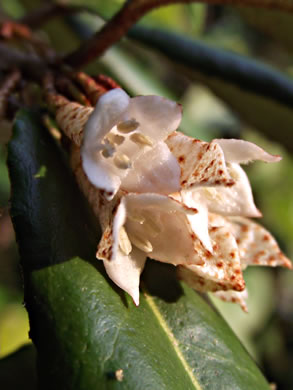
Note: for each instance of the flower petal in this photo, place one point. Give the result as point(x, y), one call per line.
point(201, 284)
point(125, 271)
point(109, 243)
point(256, 245)
point(234, 200)
point(233, 296)
point(201, 163)
point(158, 117)
point(101, 172)
point(243, 152)
point(198, 221)
point(109, 109)
point(154, 221)
point(156, 171)
point(223, 266)
point(102, 175)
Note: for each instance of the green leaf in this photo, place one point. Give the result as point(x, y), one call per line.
point(85, 329)
point(259, 94)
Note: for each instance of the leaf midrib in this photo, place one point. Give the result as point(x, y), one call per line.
point(172, 339)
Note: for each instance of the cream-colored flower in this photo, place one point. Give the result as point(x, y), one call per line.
point(144, 225)
point(164, 195)
point(124, 144)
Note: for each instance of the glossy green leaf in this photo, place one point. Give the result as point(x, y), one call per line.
point(84, 328)
point(259, 94)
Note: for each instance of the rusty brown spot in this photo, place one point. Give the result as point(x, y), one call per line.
point(239, 286)
point(232, 254)
point(266, 237)
point(181, 159)
point(271, 259)
point(220, 171)
point(183, 182)
point(244, 228)
point(214, 228)
point(193, 209)
point(219, 264)
point(234, 300)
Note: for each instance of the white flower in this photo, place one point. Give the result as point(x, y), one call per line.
point(159, 227)
point(124, 144)
point(164, 195)
point(144, 225)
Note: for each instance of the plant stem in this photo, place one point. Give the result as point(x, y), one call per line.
point(133, 10)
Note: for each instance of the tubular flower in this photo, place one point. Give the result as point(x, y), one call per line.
point(164, 195)
point(122, 134)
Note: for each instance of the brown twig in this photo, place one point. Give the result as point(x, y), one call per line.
point(6, 88)
point(132, 11)
point(115, 29)
point(11, 29)
point(53, 98)
point(13, 58)
point(68, 87)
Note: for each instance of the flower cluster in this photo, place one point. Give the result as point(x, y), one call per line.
point(161, 194)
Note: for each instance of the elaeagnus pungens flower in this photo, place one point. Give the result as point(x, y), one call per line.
point(161, 194)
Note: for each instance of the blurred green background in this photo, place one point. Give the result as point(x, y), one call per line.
point(267, 330)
